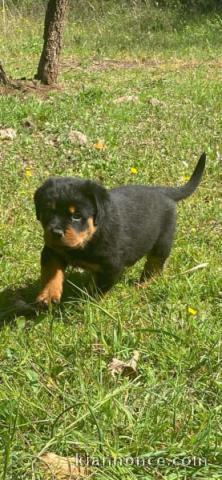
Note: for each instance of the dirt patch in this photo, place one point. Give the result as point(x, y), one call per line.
point(31, 86)
point(105, 64)
point(112, 64)
point(28, 86)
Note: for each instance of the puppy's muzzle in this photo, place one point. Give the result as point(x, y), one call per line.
point(56, 232)
point(53, 236)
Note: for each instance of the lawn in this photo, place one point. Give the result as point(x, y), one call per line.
point(151, 98)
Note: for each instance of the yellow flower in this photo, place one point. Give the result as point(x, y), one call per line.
point(100, 145)
point(133, 170)
point(28, 172)
point(192, 311)
point(185, 178)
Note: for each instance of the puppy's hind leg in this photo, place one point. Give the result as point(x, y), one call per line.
point(159, 253)
point(152, 268)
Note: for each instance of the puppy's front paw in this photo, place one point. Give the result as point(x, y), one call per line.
point(49, 295)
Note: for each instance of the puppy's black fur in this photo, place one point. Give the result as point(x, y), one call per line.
point(103, 230)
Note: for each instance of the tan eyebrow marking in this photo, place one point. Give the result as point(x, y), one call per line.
point(72, 209)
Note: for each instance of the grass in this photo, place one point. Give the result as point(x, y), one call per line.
point(56, 393)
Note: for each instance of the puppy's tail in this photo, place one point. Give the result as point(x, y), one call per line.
point(179, 193)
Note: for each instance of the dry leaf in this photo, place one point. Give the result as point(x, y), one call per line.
point(51, 384)
point(126, 368)
point(7, 134)
point(78, 138)
point(126, 98)
point(62, 468)
point(100, 145)
point(156, 103)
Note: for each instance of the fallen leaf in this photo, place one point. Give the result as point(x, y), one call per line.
point(78, 138)
point(126, 368)
point(100, 145)
point(62, 468)
point(126, 98)
point(52, 142)
point(7, 134)
point(155, 102)
point(51, 384)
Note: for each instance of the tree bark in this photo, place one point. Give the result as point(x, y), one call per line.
point(48, 66)
point(3, 76)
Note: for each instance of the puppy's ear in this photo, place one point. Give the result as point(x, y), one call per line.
point(42, 193)
point(100, 198)
point(37, 201)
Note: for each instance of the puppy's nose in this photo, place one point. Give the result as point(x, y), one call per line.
point(57, 232)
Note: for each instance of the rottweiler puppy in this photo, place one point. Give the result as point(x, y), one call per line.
point(103, 231)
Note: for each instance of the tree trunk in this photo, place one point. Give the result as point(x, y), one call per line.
point(49, 61)
point(3, 76)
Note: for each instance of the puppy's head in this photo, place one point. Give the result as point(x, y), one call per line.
point(70, 210)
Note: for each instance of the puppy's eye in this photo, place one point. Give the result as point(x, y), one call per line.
point(76, 217)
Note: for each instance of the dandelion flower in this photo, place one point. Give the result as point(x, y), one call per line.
point(28, 172)
point(192, 311)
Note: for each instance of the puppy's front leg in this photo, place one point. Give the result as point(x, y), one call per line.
point(52, 277)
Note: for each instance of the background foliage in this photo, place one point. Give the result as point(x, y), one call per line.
point(84, 5)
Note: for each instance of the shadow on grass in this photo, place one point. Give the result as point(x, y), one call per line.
point(15, 302)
